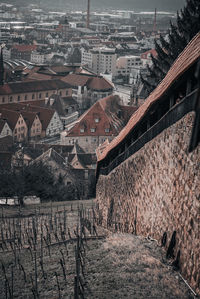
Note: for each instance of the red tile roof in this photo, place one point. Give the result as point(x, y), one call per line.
point(10, 116)
point(107, 111)
point(92, 82)
point(29, 117)
point(186, 59)
point(76, 80)
point(32, 86)
point(99, 83)
point(25, 48)
point(45, 114)
point(152, 52)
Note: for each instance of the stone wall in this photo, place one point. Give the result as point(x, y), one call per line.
point(157, 190)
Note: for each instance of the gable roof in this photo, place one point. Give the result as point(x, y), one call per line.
point(10, 116)
point(91, 81)
point(29, 117)
point(45, 114)
point(2, 124)
point(184, 61)
point(110, 115)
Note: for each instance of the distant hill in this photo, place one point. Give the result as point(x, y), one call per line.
point(146, 5)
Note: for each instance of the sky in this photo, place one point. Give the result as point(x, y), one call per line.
point(169, 5)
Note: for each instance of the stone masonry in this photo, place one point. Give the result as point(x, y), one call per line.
point(157, 191)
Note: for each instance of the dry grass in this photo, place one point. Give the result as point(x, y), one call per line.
point(119, 266)
point(127, 266)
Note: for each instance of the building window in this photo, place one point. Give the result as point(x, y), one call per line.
point(82, 130)
point(92, 130)
point(47, 94)
point(60, 93)
point(33, 96)
point(96, 120)
point(25, 97)
point(107, 130)
point(3, 100)
point(11, 98)
point(66, 92)
point(18, 98)
point(40, 95)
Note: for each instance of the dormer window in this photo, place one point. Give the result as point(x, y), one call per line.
point(107, 130)
point(96, 120)
point(92, 130)
point(82, 130)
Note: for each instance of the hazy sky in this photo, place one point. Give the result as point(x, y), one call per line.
point(171, 5)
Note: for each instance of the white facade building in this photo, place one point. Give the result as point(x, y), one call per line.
point(55, 125)
point(126, 64)
point(100, 60)
point(5, 130)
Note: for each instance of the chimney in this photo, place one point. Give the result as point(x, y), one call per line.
point(46, 100)
point(1, 68)
point(88, 15)
point(155, 22)
point(51, 101)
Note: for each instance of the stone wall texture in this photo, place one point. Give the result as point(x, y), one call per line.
point(157, 190)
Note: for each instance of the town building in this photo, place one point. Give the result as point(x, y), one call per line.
point(16, 123)
point(31, 90)
point(5, 130)
point(87, 89)
point(40, 122)
point(104, 120)
point(100, 60)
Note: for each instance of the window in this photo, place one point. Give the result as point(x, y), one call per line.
point(40, 95)
point(25, 97)
point(96, 120)
point(60, 93)
point(66, 92)
point(33, 96)
point(11, 98)
point(107, 130)
point(92, 130)
point(3, 100)
point(82, 130)
point(47, 94)
point(18, 98)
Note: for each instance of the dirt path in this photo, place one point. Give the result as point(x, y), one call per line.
point(126, 266)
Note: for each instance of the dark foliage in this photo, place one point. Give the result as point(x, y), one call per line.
point(188, 25)
point(36, 179)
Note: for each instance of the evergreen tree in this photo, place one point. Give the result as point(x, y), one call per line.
point(188, 25)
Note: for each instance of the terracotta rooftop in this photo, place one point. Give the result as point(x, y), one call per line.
point(10, 116)
point(44, 114)
point(99, 83)
point(29, 117)
point(32, 86)
point(91, 81)
point(25, 48)
point(76, 80)
point(185, 60)
point(105, 118)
